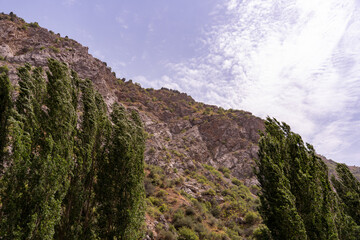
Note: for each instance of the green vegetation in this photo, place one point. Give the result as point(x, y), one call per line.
point(55, 49)
point(187, 234)
point(297, 201)
point(34, 25)
point(348, 189)
point(68, 171)
point(218, 211)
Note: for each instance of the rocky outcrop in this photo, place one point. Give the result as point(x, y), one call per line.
point(182, 133)
point(21, 42)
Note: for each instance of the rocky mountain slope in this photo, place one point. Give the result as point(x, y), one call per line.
point(199, 157)
point(174, 121)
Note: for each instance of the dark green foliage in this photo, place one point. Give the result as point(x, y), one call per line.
point(30, 188)
point(120, 187)
point(79, 200)
point(52, 159)
point(297, 201)
point(187, 234)
point(5, 105)
point(167, 235)
point(262, 233)
point(348, 189)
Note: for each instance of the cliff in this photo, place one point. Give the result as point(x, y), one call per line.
point(174, 121)
point(198, 156)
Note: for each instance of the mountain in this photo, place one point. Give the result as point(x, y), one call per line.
point(199, 158)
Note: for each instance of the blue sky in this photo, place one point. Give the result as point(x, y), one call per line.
point(296, 60)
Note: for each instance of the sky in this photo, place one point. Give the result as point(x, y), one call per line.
point(295, 60)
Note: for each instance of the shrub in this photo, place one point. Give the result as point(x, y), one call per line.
point(55, 49)
point(183, 222)
point(162, 194)
point(251, 217)
point(216, 211)
point(255, 189)
point(34, 25)
point(159, 227)
point(199, 228)
point(166, 235)
point(185, 194)
point(262, 233)
point(198, 205)
point(151, 151)
point(178, 214)
point(219, 236)
point(187, 234)
point(212, 221)
point(178, 181)
point(155, 201)
point(224, 170)
point(4, 69)
point(149, 187)
point(210, 192)
point(156, 179)
point(163, 208)
point(227, 175)
point(189, 211)
point(233, 234)
point(208, 167)
point(236, 181)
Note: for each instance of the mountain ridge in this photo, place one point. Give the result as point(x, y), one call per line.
point(195, 152)
point(34, 45)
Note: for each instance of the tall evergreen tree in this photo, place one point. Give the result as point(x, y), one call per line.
point(348, 189)
point(58, 143)
point(278, 204)
point(77, 220)
point(120, 189)
point(289, 166)
point(5, 106)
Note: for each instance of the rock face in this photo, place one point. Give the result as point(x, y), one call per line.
point(21, 42)
point(181, 132)
point(187, 141)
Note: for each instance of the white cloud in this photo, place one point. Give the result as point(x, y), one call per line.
point(296, 60)
point(164, 81)
point(69, 2)
point(122, 22)
point(151, 27)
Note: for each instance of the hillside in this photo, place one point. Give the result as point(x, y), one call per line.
point(199, 158)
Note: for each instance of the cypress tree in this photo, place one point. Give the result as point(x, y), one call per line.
point(40, 155)
point(70, 172)
point(120, 189)
point(5, 106)
point(289, 166)
point(278, 204)
point(77, 218)
point(348, 189)
point(19, 183)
